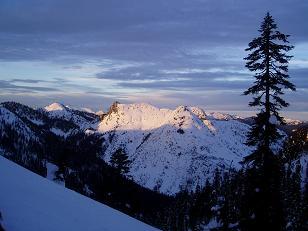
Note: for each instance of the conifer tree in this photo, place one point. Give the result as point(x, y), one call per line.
point(119, 160)
point(294, 145)
point(1, 228)
point(269, 61)
point(304, 215)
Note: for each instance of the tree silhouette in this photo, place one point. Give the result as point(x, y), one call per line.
point(1, 228)
point(269, 61)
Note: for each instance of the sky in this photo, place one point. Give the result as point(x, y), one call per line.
point(164, 52)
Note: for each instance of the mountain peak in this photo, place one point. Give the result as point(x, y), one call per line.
point(166, 143)
point(55, 107)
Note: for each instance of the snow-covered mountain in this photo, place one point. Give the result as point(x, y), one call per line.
point(30, 136)
point(29, 202)
point(171, 149)
point(37, 120)
point(84, 119)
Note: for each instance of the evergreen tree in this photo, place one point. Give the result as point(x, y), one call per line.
point(304, 215)
point(269, 61)
point(293, 196)
point(228, 212)
point(201, 212)
point(294, 146)
point(1, 228)
point(181, 211)
point(119, 160)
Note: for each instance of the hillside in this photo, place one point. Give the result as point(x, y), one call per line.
point(30, 202)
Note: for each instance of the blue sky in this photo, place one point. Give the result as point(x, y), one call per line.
point(168, 53)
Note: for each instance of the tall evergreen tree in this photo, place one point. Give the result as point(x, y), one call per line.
point(269, 61)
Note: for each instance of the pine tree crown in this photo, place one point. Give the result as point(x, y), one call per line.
point(269, 61)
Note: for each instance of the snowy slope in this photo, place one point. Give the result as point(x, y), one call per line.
point(16, 136)
point(173, 148)
point(30, 202)
point(7, 118)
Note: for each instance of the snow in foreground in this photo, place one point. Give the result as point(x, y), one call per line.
point(30, 202)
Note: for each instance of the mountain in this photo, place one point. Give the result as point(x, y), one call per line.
point(169, 149)
point(28, 134)
point(39, 120)
point(82, 118)
point(172, 152)
point(30, 202)
point(26, 127)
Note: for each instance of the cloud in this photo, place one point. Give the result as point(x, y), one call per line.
point(118, 47)
point(299, 77)
point(130, 29)
point(26, 81)
point(9, 87)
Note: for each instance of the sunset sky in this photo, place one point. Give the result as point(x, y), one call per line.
point(163, 52)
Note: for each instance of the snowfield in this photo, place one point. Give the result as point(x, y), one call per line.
point(29, 202)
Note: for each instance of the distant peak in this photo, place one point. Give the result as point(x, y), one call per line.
point(114, 107)
point(55, 107)
point(181, 108)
